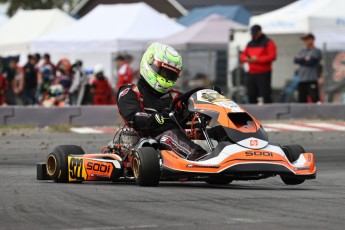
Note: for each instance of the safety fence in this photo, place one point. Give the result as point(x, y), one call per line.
point(108, 115)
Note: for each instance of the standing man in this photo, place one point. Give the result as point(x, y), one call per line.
point(46, 75)
point(260, 52)
point(11, 75)
point(29, 82)
point(125, 73)
point(309, 72)
point(100, 87)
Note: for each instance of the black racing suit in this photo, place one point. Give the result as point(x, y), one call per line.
point(143, 108)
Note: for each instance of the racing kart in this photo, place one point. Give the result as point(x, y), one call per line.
point(243, 154)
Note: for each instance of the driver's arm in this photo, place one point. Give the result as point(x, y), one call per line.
point(132, 112)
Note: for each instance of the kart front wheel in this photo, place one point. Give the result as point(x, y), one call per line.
point(218, 181)
point(291, 180)
point(146, 167)
point(57, 161)
point(293, 152)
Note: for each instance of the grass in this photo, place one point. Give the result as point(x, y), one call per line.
point(16, 127)
point(61, 128)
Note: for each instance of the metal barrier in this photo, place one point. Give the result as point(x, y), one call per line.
point(108, 115)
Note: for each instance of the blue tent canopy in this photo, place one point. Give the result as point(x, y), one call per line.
point(236, 13)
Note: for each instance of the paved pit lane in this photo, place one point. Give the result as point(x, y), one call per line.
point(26, 203)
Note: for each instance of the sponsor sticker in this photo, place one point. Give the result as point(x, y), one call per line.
point(99, 168)
point(201, 166)
point(76, 170)
point(253, 142)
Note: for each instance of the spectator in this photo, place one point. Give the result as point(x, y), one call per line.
point(259, 53)
point(2, 66)
point(45, 79)
point(128, 58)
point(46, 74)
point(3, 89)
point(11, 74)
point(125, 73)
point(29, 82)
point(309, 71)
point(3, 82)
point(76, 90)
point(55, 97)
point(100, 88)
point(37, 58)
point(64, 73)
point(47, 62)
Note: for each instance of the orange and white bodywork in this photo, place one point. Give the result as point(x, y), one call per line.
point(248, 151)
point(91, 167)
point(234, 159)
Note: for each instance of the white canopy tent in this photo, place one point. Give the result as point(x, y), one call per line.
point(106, 30)
point(26, 25)
point(210, 33)
point(324, 18)
point(3, 19)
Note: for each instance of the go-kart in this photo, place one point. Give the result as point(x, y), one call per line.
point(243, 154)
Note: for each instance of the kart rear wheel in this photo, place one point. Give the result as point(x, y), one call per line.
point(218, 181)
point(293, 152)
point(291, 180)
point(146, 167)
point(57, 161)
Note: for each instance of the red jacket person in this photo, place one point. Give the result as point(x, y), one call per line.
point(260, 53)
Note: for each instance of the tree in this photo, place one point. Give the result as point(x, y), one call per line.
point(39, 4)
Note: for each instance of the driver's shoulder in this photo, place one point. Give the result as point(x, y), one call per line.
point(129, 89)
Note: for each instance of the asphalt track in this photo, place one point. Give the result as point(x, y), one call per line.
point(26, 203)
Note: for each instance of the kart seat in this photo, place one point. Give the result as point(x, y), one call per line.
point(204, 145)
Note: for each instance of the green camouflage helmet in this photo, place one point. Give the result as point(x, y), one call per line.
point(160, 66)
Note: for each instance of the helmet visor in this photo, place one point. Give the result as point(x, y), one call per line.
point(167, 74)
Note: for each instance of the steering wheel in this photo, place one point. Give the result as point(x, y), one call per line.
point(184, 96)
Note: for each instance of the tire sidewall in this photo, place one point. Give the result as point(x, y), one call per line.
point(61, 153)
point(293, 152)
point(149, 168)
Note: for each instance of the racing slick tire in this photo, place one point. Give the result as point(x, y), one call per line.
point(218, 181)
point(57, 161)
point(146, 167)
point(291, 180)
point(292, 152)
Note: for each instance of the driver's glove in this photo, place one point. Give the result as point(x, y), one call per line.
point(161, 118)
point(158, 118)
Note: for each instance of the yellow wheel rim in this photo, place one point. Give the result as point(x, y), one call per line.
point(51, 165)
point(136, 167)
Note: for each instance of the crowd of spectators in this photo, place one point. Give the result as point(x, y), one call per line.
point(40, 82)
